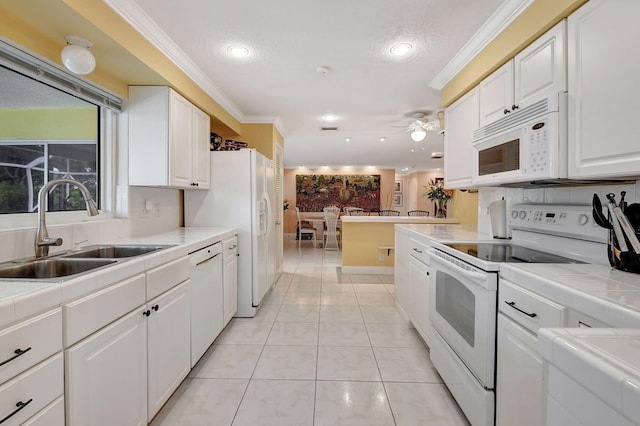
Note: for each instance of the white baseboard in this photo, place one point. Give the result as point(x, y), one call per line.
point(368, 270)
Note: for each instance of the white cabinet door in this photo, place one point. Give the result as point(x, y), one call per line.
point(106, 375)
point(540, 70)
point(180, 140)
point(603, 89)
point(401, 272)
point(169, 345)
point(201, 163)
point(230, 278)
point(496, 94)
point(419, 276)
point(519, 373)
point(461, 119)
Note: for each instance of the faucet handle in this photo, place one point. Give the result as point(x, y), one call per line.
point(50, 242)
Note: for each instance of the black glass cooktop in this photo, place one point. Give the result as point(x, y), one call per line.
point(509, 253)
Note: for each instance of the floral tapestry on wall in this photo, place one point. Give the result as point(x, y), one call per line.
point(313, 192)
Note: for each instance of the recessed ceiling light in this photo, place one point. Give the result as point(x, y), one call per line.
point(382, 138)
point(347, 139)
point(329, 117)
point(401, 49)
point(238, 51)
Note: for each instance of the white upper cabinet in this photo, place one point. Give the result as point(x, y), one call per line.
point(496, 94)
point(603, 90)
point(168, 140)
point(534, 74)
point(461, 119)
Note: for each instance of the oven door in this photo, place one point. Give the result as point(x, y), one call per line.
point(463, 311)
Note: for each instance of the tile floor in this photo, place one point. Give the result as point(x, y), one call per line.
point(324, 349)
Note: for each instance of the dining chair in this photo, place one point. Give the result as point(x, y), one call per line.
point(389, 213)
point(418, 213)
point(331, 234)
point(355, 211)
point(304, 230)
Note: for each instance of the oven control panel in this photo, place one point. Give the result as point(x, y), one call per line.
point(573, 221)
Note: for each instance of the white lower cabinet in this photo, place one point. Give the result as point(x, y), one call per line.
point(230, 278)
point(401, 272)
point(51, 415)
point(168, 345)
point(28, 393)
point(106, 375)
point(419, 275)
point(520, 377)
point(125, 372)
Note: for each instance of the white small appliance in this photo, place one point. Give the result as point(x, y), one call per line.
point(240, 196)
point(525, 146)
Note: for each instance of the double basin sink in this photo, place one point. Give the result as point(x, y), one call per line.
point(70, 264)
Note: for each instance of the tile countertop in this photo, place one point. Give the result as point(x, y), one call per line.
point(607, 294)
point(439, 233)
point(21, 299)
point(604, 361)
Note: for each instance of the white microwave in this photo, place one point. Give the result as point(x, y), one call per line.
point(525, 146)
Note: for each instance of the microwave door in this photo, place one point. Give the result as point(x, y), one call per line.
point(499, 160)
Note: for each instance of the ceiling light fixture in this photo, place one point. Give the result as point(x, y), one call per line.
point(347, 139)
point(329, 117)
point(418, 134)
point(401, 49)
point(238, 51)
point(382, 139)
point(76, 55)
point(323, 69)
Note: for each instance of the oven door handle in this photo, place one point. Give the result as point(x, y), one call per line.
point(475, 276)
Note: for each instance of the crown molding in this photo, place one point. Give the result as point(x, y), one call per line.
point(141, 22)
point(266, 119)
point(506, 13)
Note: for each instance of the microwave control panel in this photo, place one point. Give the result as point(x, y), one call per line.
point(538, 150)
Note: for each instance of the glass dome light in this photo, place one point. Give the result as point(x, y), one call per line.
point(418, 135)
point(77, 57)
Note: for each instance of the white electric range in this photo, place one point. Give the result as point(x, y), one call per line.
point(464, 292)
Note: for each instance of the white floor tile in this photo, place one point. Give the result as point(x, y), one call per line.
point(302, 298)
point(338, 299)
point(347, 363)
point(337, 288)
point(382, 315)
point(291, 333)
point(393, 336)
point(406, 365)
point(343, 334)
point(227, 362)
point(419, 404)
point(366, 279)
point(240, 332)
point(352, 404)
point(287, 362)
point(299, 313)
point(202, 402)
point(333, 313)
point(267, 313)
point(375, 299)
point(277, 403)
point(370, 288)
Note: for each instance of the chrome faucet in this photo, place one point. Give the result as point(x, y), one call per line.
point(43, 241)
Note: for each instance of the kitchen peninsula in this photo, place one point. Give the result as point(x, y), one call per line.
point(368, 241)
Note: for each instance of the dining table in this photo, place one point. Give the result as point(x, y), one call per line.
point(318, 222)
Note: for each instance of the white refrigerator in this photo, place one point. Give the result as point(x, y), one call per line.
point(240, 195)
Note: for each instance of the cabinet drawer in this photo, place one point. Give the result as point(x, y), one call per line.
point(230, 246)
point(529, 309)
point(419, 250)
point(37, 338)
point(52, 415)
point(166, 276)
point(33, 390)
point(84, 316)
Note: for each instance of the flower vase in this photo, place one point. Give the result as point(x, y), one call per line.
point(440, 212)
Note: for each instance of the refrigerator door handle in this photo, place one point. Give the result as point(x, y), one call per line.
point(267, 213)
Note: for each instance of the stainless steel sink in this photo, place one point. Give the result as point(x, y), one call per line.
point(51, 268)
point(114, 251)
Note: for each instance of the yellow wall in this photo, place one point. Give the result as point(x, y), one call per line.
point(532, 23)
point(258, 136)
point(464, 207)
point(49, 123)
point(363, 242)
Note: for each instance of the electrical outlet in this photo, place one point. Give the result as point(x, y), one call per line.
point(156, 209)
point(381, 256)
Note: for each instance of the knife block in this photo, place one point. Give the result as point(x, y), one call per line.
point(625, 261)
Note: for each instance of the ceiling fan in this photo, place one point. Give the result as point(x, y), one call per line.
point(419, 125)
